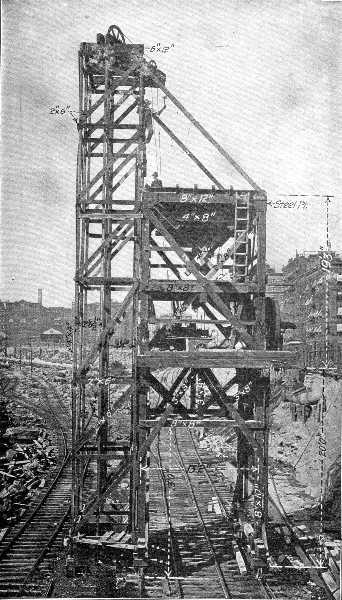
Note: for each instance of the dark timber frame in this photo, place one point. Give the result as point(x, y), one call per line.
point(183, 229)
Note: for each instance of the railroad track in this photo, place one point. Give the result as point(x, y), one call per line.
point(327, 580)
point(197, 558)
point(193, 551)
point(30, 540)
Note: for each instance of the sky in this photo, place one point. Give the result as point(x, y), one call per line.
point(263, 77)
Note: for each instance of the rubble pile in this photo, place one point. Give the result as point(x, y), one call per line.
point(216, 444)
point(58, 356)
point(26, 451)
point(23, 468)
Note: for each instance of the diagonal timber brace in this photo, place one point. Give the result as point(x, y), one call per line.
point(208, 286)
point(121, 471)
point(91, 199)
point(187, 151)
point(106, 333)
point(111, 240)
point(205, 133)
point(166, 259)
point(109, 164)
point(224, 401)
point(167, 395)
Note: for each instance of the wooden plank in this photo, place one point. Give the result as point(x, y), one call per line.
point(239, 559)
point(104, 280)
point(106, 536)
point(223, 330)
point(118, 536)
point(96, 105)
point(170, 319)
point(206, 134)
point(125, 114)
point(3, 533)
point(187, 151)
point(94, 216)
point(124, 177)
point(111, 212)
point(108, 455)
point(180, 286)
point(190, 197)
point(226, 359)
point(183, 423)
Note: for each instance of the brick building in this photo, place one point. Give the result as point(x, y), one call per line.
point(313, 301)
point(23, 323)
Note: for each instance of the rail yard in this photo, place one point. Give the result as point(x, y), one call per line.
point(157, 469)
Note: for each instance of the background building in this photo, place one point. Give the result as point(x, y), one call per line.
point(311, 298)
point(23, 323)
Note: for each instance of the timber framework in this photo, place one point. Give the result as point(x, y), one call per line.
point(201, 252)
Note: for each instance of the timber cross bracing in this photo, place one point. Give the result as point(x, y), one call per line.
point(200, 251)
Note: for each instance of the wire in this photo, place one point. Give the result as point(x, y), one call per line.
point(154, 136)
point(126, 37)
point(160, 167)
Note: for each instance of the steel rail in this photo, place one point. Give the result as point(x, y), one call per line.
point(50, 417)
point(168, 516)
point(268, 592)
point(66, 457)
point(225, 589)
point(299, 551)
point(315, 575)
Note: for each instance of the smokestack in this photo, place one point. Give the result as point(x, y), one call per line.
point(40, 296)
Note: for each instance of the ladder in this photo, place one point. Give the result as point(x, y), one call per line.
point(241, 228)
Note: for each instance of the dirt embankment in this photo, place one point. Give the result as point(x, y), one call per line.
point(305, 457)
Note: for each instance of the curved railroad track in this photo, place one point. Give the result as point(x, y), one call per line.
point(31, 539)
point(319, 577)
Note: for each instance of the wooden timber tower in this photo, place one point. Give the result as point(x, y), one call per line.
point(212, 244)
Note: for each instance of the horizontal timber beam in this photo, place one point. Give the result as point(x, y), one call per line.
point(225, 359)
point(193, 197)
point(190, 286)
point(104, 280)
point(200, 422)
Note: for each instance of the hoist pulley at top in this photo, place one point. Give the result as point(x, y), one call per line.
point(114, 35)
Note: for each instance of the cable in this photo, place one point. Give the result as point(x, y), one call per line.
point(160, 167)
point(133, 43)
point(154, 136)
